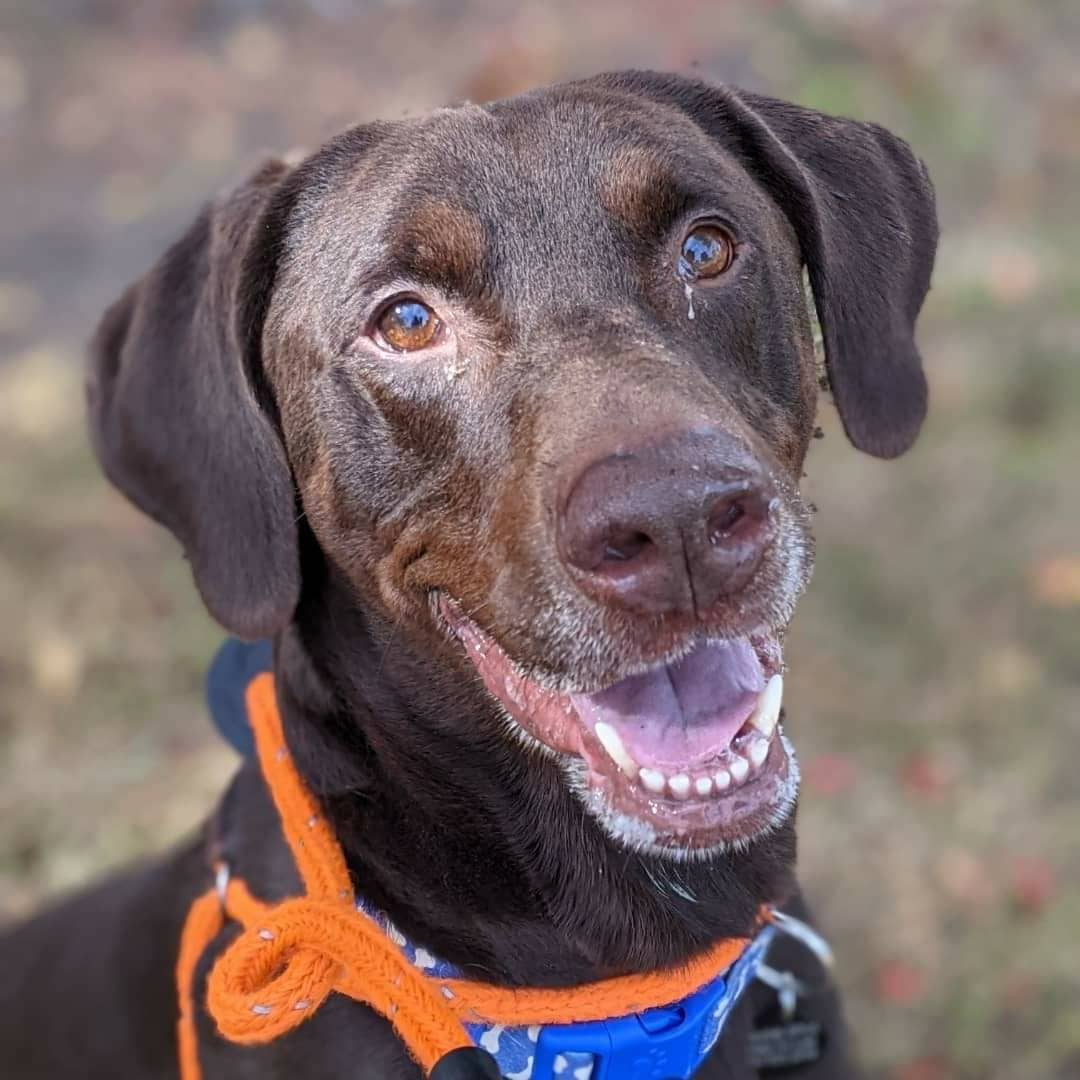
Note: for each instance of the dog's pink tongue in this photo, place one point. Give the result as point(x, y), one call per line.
point(683, 712)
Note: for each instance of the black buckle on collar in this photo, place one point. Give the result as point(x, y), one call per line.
point(466, 1063)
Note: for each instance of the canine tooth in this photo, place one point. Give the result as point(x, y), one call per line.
point(680, 786)
point(703, 786)
point(653, 779)
point(722, 779)
point(610, 741)
point(767, 711)
point(759, 751)
point(739, 769)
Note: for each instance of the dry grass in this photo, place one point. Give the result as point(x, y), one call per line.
point(935, 672)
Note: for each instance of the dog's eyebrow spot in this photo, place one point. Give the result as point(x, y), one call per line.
point(444, 243)
point(639, 189)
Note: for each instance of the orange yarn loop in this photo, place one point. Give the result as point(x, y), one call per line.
point(291, 956)
point(282, 968)
point(272, 975)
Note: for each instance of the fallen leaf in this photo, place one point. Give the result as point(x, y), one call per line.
point(898, 983)
point(925, 775)
point(1033, 883)
point(965, 877)
point(1056, 581)
point(924, 1068)
point(1013, 275)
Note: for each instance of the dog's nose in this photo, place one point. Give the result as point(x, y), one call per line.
point(673, 526)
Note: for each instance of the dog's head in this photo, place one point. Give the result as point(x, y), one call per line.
point(539, 378)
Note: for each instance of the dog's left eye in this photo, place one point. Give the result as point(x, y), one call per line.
point(407, 325)
point(706, 252)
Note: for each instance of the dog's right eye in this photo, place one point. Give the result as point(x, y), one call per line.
point(407, 325)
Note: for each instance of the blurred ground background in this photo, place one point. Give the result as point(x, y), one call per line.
point(935, 666)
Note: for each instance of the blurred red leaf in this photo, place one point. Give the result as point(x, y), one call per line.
point(1033, 883)
point(925, 776)
point(924, 1068)
point(898, 983)
point(830, 774)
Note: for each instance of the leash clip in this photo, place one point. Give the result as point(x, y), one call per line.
point(806, 936)
point(788, 986)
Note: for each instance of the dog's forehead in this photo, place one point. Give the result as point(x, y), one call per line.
point(539, 208)
point(530, 183)
point(580, 155)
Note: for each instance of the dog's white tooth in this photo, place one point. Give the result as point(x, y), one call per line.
point(739, 769)
point(610, 741)
point(759, 751)
point(680, 786)
point(722, 779)
point(703, 786)
point(653, 779)
point(767, 711)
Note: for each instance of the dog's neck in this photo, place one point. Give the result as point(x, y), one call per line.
point(474, 846)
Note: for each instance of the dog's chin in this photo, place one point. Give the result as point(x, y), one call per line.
point(685, 758)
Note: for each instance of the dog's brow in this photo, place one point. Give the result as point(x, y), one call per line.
point(640, 189)
point(442, 242)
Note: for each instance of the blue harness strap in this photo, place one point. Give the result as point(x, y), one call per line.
point(234, 665)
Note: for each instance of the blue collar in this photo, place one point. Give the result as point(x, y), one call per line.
point(668, 1043)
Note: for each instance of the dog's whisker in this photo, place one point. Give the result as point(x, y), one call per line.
point(389, 644)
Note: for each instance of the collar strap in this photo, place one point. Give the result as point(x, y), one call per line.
point(292, 955)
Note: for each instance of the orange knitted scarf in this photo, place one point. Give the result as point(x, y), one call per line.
point(292, 955)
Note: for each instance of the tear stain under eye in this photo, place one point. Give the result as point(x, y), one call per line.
point(686, 275)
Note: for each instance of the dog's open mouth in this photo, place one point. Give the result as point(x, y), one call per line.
point(688, 754)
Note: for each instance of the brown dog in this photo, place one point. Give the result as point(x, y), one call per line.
point(495, 419)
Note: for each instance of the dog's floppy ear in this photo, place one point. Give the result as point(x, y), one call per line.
point(862, 207)
point(180, 414)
